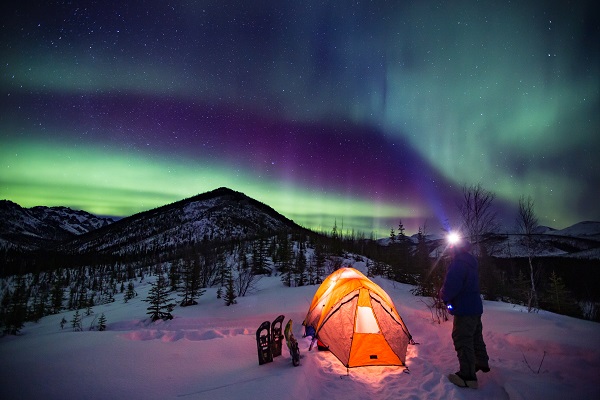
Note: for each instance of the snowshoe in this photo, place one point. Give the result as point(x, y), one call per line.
point(292, 344)
point(276, 336)
point(263, 342)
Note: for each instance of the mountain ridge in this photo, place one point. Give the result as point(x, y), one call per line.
point(217, 215)
point(40, 226)
point(214, 216)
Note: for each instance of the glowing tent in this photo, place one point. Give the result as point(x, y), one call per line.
point(357, 321)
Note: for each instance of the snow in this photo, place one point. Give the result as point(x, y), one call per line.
point(209, 351)
point(582, 229)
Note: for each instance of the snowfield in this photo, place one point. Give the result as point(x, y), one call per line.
point(209, 351)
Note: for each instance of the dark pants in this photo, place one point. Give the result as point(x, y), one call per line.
point(469, 345)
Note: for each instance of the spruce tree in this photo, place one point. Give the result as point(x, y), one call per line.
point(222, 268)
point(369, 265)
point(102, 322)
point(319, 263)
point(230, 296)
point(284, 261)
point(190, 289)
point(160, 302)
point(426, 285)
point(39, 306)
point(401, 235)
point(76, 322)
point(300, 267)
point(559, 298)
point(406, 270)
point(311, 269)
point(520, 288)
point(174, 276)
point(259, 258)
point(57, 296)
point(130, 292)
point(16, 313)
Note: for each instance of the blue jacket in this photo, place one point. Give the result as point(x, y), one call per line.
point(461, 286)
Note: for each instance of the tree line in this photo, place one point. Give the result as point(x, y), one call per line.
point(182, 274)
point(234, 268)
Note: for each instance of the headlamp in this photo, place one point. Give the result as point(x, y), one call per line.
point(453, 238)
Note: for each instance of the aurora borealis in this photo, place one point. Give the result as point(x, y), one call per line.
point(359, 113)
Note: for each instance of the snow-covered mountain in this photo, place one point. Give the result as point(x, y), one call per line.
point(38, 227)
point(216, 216)
point(581, 240)
point(221, 215)
point(585, 229)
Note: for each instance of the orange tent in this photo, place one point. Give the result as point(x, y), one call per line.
point(357, 321)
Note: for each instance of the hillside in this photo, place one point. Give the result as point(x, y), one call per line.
point(581, 240)
point(216, 216)
point(42, 227)
point(208, 351)
point(222, 215)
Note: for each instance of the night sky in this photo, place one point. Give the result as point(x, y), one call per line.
point(362, 113)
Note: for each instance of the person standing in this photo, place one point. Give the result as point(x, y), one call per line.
point(460, 292)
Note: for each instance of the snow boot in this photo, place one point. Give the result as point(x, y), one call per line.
point(459, 381)
point(482, 368)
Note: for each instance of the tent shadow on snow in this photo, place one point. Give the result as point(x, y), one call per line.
point(357, 321)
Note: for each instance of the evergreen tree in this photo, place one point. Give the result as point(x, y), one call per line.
point(311, 269)
point(102, 322)
point(401, 230)
point(174, 276)
point(369, 265)
point(284, 261)
point(130, 292)
point(336, 245)
point(16, 312)
point(259, 258)
point(520, 288)
point(559, 298)
point(82, 300)
point(426, 285)
point(190, 289)
point(319, 263)
point(300, 266)
point(160, 302)
point(76, 322)
point(392, 236)
point(39, 306)
point(72, 294)
point(405, 270)
point(230, 296)
point(334, 231)
point(222, 268)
